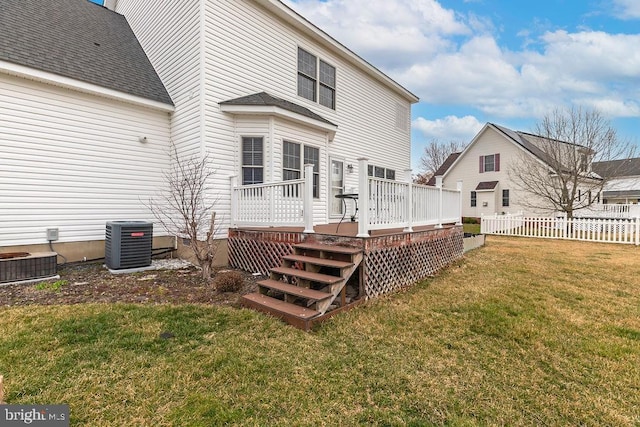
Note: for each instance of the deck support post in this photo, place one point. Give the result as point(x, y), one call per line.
point(459, 188)
point(409, 201)
point(308, 198)
point(233, 183)
point(363, 197)
point(439, 186)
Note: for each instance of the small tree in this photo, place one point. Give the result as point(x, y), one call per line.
point(434, 155)
point(559, 177)
point(185, 208)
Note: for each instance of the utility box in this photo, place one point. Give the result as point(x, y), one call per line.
point(128, 244)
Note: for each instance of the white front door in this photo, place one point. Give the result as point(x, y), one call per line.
point(336, 206)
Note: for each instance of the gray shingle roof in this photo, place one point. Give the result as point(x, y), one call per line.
point(443, 167)
point(80, 40)
point(617, 168)
point(264, 99)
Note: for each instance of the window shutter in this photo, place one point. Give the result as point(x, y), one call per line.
point(481, 164)
point(497, 160)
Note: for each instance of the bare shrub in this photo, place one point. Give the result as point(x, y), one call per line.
point(229, 281)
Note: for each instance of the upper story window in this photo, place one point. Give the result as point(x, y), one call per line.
point(316, 79)
point(252, 160)
point(490, 163)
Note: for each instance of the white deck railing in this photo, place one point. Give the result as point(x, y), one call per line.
point(383, 203)
point(609, 211)
point(274, 204)
point(387, 203)
point(625, 230)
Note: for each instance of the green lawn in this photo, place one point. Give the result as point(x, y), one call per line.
point(521, 332)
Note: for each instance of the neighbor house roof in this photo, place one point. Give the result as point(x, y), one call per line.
point(443, 167)
point(526, 141)
point(617, 168)
point(486, 185)
point(79, 40)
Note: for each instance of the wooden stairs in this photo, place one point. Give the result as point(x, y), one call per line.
point(307, 284)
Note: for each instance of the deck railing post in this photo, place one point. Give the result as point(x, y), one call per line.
point(439, 186)
point(637, 231)
point(233, 183)
point(409, 201)
point(363, 197)
point(308, 198)
point(459, 188)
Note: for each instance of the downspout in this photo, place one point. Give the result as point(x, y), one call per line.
point(203, 116)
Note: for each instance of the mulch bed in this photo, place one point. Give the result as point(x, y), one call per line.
point(93, 283)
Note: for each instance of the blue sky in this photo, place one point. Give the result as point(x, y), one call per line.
point(502, 61)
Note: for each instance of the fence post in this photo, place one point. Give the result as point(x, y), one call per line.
point(307, 202)
point(409, 201)
point(459, 188)
point(233, 183)
point(363, 197)
point(638, 231)
point(439, 186)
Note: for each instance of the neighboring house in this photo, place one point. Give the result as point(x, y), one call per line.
point(484, 165)
point(84, 125)
point(623, 186)
point(87, 124)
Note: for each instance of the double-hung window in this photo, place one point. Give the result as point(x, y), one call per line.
point(505, 198)
point(490, 163)
point(316, 79)
point(292, 163)
point(252, 160)
point(474, 199)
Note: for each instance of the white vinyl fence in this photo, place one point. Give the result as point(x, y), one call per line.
point(626, 231)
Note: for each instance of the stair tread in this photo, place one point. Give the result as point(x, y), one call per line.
point(281, 306)
point(308, 275)
point(311, 294)
point(318, 261)
point(328, 248)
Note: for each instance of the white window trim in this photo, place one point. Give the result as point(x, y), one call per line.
point(241, 152)
point(317, 79)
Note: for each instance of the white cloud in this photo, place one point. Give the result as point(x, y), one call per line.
point(626, 9)
point(451, 128)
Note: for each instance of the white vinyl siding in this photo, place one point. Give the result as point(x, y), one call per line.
point(74, 161)
point(169, 34)
point(241, 65)
point(238, 59)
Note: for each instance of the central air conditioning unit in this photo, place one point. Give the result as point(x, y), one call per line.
point(128, 244)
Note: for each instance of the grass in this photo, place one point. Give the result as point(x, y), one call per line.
point(471, 228)
point(522, 332)
point(51, 286)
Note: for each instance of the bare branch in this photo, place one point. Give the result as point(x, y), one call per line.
point(435, 153)
point(184, 208)
point(566, 142)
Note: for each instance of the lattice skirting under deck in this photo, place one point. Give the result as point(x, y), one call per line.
point(260, 251)
point(394, 262)
point(390, 262)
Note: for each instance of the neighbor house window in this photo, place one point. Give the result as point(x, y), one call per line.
point(293, 166)
point(505, 198)
point(490, 163)
point(380, 172)
point(316, 79)
point(474, 199)
point(252, 160)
